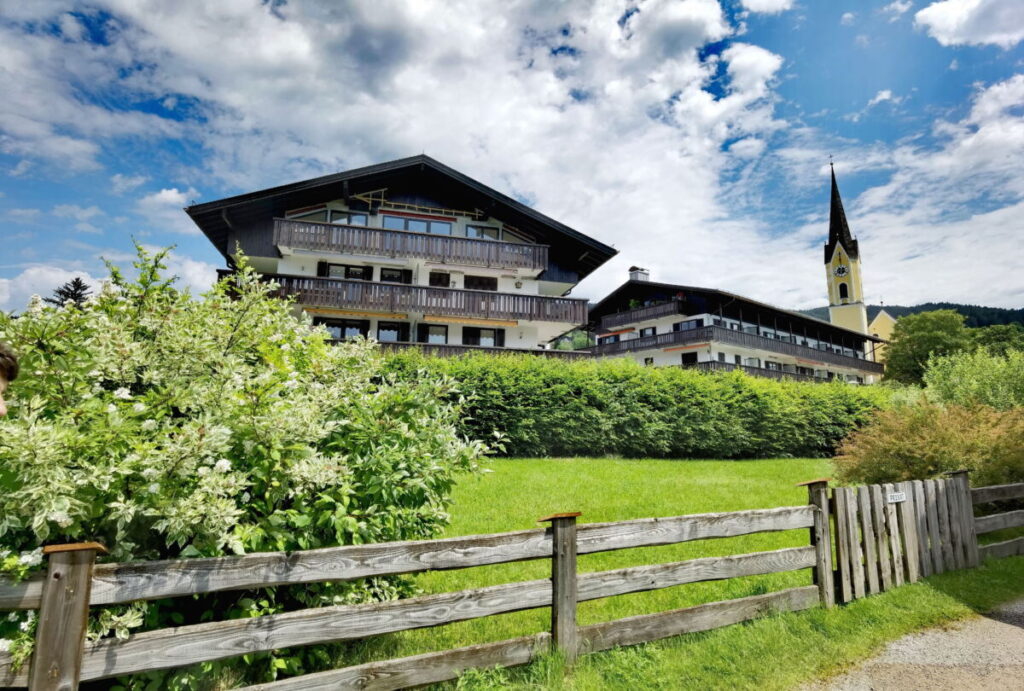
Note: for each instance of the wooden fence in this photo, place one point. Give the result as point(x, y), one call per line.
point(884, 537)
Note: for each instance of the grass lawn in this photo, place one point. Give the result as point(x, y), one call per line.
point(776, 652)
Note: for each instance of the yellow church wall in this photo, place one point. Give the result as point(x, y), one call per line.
point(882, 326)
point(849, 312)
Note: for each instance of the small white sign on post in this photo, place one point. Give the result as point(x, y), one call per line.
point(897, 497)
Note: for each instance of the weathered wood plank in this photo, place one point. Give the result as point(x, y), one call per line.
point(843, 546)
point(821, 540)
point(895, 543)
point(870, 546)
point(63, 618)
point(999, 521)
point(997, 550)
point(418, 670)
point(982, 495)
point(649, 532)
point(650, 627)
point(934, 533)
point(956, 522)
point(881, 535)
point(25, 595)
point(945, 531)
point(8, 676)
point(962, 483)
point(908, 531)
point(924, 557)
point(857, 551)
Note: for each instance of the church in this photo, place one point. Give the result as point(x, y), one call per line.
point(665, 324)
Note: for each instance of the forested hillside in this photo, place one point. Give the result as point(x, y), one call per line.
point(976, 315)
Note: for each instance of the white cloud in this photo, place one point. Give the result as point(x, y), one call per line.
point(897, 9)
point(23, 214)
point(163, 210)
point(882, 96)
point(39, 279)
point(120, 184)
point(767, 6)
point(974, 22)
point(954, 65)
point(847, 18)
point(79, 213)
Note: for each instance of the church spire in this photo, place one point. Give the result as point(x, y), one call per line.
point(838, 229)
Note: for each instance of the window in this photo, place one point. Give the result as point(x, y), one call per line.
point(481, 283)
point(344, 329)
point(417, 225)
point(348, 218)
point(440, 279)
point(752, 362)
point(808, 371)
point(490, 338)
point(688, 325)
point(647, 331)
point(689, 359)
point(716, 321)
point(319, 216)
point(482, 232)
point(738, 359)
point(432, 333)
point(648, 362)
point(354, 273)
point(775, 366)
point(614, 338)
point(512, 236)
point(721, 357)
point(392, 332)
point(395, 275)
point(844, 292)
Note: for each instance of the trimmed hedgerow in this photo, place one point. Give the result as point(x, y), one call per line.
point(548, 407)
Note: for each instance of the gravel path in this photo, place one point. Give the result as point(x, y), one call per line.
point(981, 653)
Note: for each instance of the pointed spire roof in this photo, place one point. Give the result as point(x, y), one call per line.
point(838, 228)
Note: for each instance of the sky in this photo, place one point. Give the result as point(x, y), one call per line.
point(694, 136)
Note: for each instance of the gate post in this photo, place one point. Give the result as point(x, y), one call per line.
point(63, 616)
point(824, 578)
point(564, 634)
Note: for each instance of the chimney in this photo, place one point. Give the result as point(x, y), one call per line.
point(638, 274)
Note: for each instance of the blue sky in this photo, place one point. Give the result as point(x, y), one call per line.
point(693, 135)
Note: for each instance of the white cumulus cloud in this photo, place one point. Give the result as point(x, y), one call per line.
point(767, 6)
point(974, 22)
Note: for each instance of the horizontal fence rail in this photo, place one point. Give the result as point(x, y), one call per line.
point(1009, 519)
point(381, 242)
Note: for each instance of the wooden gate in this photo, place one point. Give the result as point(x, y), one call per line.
point(896, 533)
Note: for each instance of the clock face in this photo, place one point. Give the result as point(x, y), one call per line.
point(841, 270)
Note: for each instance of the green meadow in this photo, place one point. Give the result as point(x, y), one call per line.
point(776, 652)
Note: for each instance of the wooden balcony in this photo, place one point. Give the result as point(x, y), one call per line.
point(379, 242)
point(717, 334)
point(715, 366)
point(611, 321)
point(453, 350)
point(448, 302)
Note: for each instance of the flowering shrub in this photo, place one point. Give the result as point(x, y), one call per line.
point(165, 426)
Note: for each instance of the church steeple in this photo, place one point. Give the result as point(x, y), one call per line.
point(842, 269)
point(838, 228)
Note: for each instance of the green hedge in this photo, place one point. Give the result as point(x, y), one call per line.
point(550, 407)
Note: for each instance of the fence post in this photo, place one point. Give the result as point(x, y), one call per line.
point(563, 584)
point(63, 616)
point(970, 536)
point(824, 578)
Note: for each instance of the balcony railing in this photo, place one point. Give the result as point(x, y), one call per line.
point(715, 366)
point(611, 321)
point(452, 349)
point(707, 334)
point(449, 302)
point(379, 242)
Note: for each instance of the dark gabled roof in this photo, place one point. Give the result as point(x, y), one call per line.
point(638, 288)
point(838, 228)
point(216, 218)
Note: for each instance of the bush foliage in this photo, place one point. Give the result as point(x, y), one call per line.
point(980, 377)
point(553, 407)
point(927, 439)
point(166, 426)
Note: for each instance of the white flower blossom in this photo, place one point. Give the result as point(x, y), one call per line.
point(5, 645)
point(148, 425)
point(70, 303)
point(61, 518)
point(35, 304)
point(139, 407)
point(222, 466)
point(111, 408)
point(95, 374)
point(123, 393)
point(202, 471)
point(33, 558)
point(154, 488)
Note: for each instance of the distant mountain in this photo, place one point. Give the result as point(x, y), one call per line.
point(975, 315)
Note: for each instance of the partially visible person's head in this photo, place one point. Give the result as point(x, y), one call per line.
point(8, 372)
